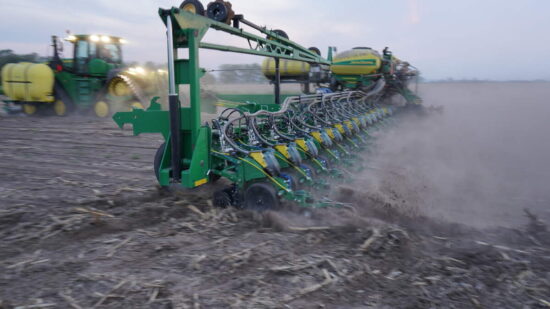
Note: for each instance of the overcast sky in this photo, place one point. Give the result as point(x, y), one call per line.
point(484, 39)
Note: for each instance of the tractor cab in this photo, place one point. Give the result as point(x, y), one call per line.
point(94, 54)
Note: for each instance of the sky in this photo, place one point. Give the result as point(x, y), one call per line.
point(460, 39)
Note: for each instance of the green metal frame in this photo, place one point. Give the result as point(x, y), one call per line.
point(197, 159)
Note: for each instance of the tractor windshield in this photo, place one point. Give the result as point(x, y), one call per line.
point(109, 52)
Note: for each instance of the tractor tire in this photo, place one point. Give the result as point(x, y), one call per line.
point(220, 11)
point(193, 6)
point(63, 104)
point(279, 32)
point(315, 50)
point(261, 196)
point(158, 159)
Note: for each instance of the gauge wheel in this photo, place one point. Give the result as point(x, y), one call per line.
point(193, 6)
point(221, 199)
point(261, 196)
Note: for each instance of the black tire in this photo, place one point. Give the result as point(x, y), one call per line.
point(158, 158)
point(261, 196)
point(218, 11)
point(60, 93)
point(193, 6)
point(221, 199)
point(279, 32)
point(315, 50)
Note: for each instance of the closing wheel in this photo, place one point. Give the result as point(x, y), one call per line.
point(193, 6)
point(261, 196)
point(29, 109)
point(102, 109)
point(60, 108)
point(222, 199)
point(158, 159)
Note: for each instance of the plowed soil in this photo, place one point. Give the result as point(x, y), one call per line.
point(83, 225)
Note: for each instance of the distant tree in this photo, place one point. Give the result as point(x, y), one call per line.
point(8, 56)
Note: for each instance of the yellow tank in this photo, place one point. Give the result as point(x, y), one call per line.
point(288, 68)
point(28, 82)
point(358, 61)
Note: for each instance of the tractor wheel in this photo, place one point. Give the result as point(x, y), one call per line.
point(279, 32)
point(158, 159)
point(261, 196)
point(29, 109)
point(63, 104)
point(102, 109)
point(315, 50)
point(60, 108)
point(221, 11)
point(193, 6)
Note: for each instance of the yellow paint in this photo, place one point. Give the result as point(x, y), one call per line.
point(29, 109)
point(348, 123)
point(189, 7)
point(351, 62)
point(302, 143)
point(317, 136)
point(258, 156)
point(29, 82)
point(59, 108)
point(201, 182)
point(118, 87)
point(287, 68)
point(330, 133)
point(339, 127)
point(101, 109)
point(282, 148)
point(266, 174)
point(136, 105)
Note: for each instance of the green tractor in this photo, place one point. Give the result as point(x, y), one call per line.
point(93, 78)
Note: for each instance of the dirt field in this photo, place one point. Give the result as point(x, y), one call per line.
point(436, 220)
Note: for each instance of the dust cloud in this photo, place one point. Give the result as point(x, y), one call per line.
point(479, 163)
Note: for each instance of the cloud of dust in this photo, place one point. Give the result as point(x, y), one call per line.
point(479, 163)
